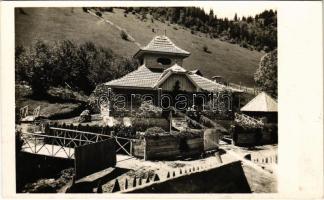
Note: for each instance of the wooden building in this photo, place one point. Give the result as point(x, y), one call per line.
point(262, 106)
point(162, 68)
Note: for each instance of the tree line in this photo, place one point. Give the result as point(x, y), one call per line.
point(256, 32)
point(65, 63)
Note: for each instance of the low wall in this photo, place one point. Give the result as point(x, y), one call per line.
point(255, 136)
point(229, 178)
point(265, 159)
point(167, 147)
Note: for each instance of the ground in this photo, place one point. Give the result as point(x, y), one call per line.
point(60, 102)
point(260, 181)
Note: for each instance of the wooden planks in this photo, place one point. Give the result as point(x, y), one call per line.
point(167, 147)
point(211, 139)
point(94, 157)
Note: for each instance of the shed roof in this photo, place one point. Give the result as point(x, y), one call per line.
point(261, 103)
point(162, 44)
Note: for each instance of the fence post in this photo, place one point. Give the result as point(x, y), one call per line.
point(134, 182)
point(145, 155)
point(116, 187)
point(126, 184)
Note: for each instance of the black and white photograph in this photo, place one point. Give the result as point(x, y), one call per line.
point(146, 100)
point(141, 99)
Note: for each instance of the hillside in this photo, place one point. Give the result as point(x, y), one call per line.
point(234, 63)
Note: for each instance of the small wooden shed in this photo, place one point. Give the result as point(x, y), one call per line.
point(262, 106)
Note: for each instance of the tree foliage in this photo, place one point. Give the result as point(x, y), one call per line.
point(62, 63)
point(258, 32)
point(266, 75)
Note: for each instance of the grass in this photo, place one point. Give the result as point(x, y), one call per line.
point(54, 106)
point(231, 61)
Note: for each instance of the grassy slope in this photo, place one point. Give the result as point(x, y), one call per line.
point(228, 60)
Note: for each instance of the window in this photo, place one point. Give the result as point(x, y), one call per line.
point(164, 61)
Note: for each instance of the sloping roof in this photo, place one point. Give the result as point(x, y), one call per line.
point(196, 71)
point(140, 78)
point(175, 69)
point(206, 84)
point(261, 103)
point(144, 78)
point(162, 44)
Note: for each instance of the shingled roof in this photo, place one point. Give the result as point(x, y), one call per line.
point(144, 78)
point(140, 78)
point(261, 103)
point(162, 44)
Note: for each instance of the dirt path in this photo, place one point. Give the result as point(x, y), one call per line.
point(130, 38)
point(261, 178)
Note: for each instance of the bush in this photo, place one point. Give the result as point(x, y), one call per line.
point(142, 124)
point(124, 35)
point(205, 48)
point(85, 9)
point(244, 44)
point(109, 9)
point(147, 109)
point(154, 130)
point(98, 14)
point(125, 15)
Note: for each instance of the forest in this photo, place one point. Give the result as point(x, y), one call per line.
point(257, 32)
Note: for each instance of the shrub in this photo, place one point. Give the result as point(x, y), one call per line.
point(154, 130)
point(98, 14)
point(244, 44)
point(153, 30)
point(109, 9)
point(125, 15)
point(147, 109)
point(123, 35)
point(152, 20)
point(192, 31)
point(142, 124)
point(205, 48)
point(85, 9)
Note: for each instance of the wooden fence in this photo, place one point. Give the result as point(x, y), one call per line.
point(94, 157)
point(249, 90)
